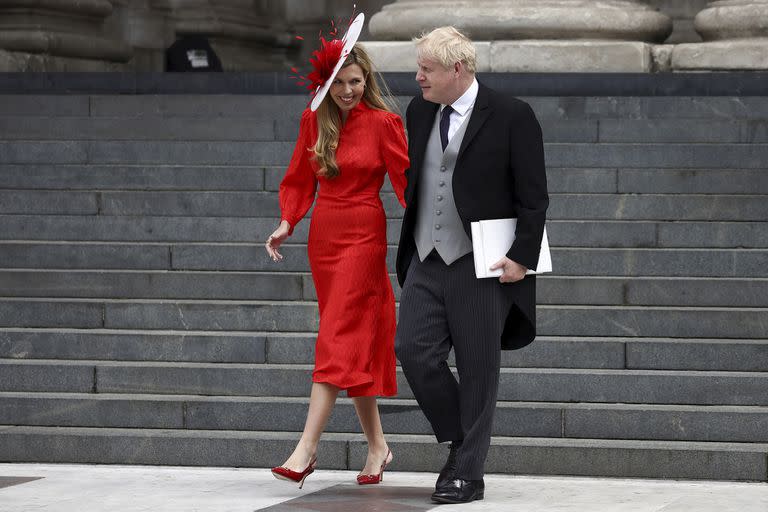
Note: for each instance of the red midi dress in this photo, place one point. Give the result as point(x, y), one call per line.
point(347, 246)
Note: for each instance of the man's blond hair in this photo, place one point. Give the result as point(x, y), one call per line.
point(447, 45)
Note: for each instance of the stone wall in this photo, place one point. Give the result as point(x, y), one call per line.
point(512, 35)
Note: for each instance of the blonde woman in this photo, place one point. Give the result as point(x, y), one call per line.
point(348, 141)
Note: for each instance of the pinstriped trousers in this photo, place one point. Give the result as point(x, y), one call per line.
point(443, 307)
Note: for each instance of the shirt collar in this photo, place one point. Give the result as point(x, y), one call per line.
point(466, 100)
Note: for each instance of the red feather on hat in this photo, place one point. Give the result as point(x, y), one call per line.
point(323, 61)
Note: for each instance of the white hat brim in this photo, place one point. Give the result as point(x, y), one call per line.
point(350, 38)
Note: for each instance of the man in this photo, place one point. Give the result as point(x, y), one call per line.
point(475, 155)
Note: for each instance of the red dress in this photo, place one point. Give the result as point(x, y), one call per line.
point(348, 246)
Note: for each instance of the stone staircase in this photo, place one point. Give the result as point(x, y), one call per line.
point(142, 322)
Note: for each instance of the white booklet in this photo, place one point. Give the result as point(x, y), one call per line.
point(491, 240)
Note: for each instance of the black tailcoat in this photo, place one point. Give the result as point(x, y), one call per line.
point(499, 173)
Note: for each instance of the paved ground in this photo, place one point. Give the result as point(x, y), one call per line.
point(89, 488)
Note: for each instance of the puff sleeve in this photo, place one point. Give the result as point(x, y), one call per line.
point(297, 189)
point(394, 153)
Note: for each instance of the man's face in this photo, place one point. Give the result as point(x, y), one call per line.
point(438, 83)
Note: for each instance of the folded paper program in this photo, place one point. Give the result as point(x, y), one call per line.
point(491, 240)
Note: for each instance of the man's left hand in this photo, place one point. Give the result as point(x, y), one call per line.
point(513, 271)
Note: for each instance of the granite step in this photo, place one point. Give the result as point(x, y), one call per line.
point(746, 355)
point(562, 233)
point(132, 177)
point(284, 286)
point(277, 126)
point(244, 257)
point(296, 316)
point(661, 207)
point(515, 384)
point(746, 424)
point(278, 153)
point(510, 455)
point(152, 106)
point(594, 180)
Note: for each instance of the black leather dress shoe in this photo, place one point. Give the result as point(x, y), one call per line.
point(449, 469)
point(460, 491)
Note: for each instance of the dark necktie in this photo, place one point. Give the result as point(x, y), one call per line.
point(445, 122)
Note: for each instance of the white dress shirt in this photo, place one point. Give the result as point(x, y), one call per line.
point(462, 108)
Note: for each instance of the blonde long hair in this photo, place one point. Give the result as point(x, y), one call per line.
point(329, 117)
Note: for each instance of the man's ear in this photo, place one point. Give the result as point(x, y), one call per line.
point(457, 67)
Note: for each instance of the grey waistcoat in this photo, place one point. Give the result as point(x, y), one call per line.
point(438, 225)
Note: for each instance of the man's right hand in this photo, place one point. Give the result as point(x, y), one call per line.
point(277, 238)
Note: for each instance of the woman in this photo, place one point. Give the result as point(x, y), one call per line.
point(346, 147)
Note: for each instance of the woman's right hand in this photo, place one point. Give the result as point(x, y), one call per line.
point(277, 238)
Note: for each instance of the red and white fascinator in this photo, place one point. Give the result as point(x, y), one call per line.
point(327, 61)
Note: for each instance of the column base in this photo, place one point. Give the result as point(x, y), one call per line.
point(534, 56)
point(736, 54)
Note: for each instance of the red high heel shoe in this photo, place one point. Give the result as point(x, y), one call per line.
point(282, 473)
point(374, 479)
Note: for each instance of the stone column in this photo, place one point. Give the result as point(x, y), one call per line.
point(59, 35)
point(735, 34)
point(528, 35)
point(240, 31)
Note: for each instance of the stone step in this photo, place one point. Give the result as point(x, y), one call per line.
point(190, 106)
point(247, 178)
point(567, 261)
point(160, 284)
point(294, 316)
point(584, 233)
point(717, 108)
point(283, 286)
point(87, 255)
point(146, 152)
point(660, 262)
point(141, 345)
point(38, 202)
point(253, 106)
point(298, 348)
point(678, 207)
point(132, 177)
point(189, 204)
point(745, 355)
point(715, 156)
point(121, 128)
point(691, 181)
point(667, 131)
point(587, 352)
point(511, 455)
point(278, 153)
point(50, 105)
point(745, 424)
point(602, 130)
point(277, 126)
point(515, 384)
